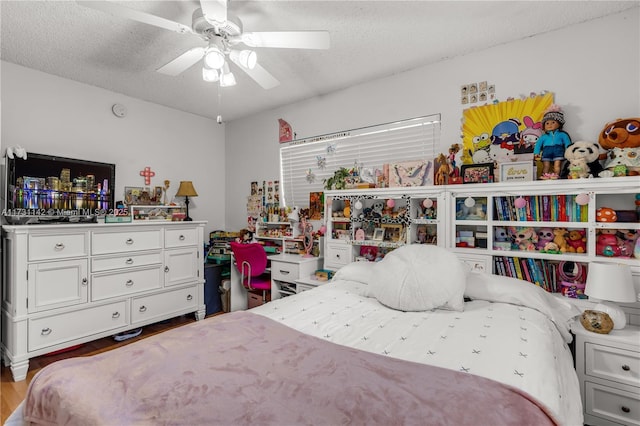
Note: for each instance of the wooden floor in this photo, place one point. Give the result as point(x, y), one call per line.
point(12, 393)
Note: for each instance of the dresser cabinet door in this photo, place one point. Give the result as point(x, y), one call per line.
point(180, 266)
point(57, 284)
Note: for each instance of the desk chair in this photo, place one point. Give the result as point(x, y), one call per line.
point(251, 262)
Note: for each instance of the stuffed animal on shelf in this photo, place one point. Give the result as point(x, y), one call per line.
point(525, 238)
point(582, 161)
point(606, 214)
point(607, 243)
point(621, 139)
point(627, 238)
point(545, 235)
point(559, 237)
point(576, 241)
point(501, 239)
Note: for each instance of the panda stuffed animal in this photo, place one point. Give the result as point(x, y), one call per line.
point(582, 161)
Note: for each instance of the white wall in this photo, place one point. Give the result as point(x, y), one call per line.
point(593, 68)
point(51, 115)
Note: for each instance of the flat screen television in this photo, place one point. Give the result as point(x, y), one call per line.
point(49, 186)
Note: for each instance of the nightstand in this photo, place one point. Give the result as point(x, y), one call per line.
point(286, 269)
point(608, 367)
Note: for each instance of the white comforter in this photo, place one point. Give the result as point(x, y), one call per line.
point(509, 343)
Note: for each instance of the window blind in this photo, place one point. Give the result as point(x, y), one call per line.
point(305, 163)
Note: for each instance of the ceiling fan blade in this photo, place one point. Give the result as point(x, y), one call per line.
point(287, 39)
point(259, 74)
point(214, 11)
point(182, 62)
point(136, 15)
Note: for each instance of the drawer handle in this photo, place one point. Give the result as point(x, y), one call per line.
point(625, 367)
point(115, 315)
point(129, 261)
point(84, 281)
point(166, 269)
point(625, 409)
point(129, 241)
point(129, 283)
point(181, 238)
point(143, 308)
point(189, 297)
point(338, 256)
point(284, 272)
point(46, 331)
point(59, 246)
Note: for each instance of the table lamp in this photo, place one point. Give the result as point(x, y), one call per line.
point(186, 190)
point(610, 282)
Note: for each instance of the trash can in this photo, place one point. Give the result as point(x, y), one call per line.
point(212, 282)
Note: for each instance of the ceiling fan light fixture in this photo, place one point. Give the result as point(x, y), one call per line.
point(210, 75)
point(246, 58)
point(227, 78)
point(214, 58)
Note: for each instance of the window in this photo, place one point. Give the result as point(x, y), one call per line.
point(305, 163)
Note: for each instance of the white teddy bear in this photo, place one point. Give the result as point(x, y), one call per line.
point(16, 151)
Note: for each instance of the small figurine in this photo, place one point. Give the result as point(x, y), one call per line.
point(245, 236)
point(553, 143)
point(453, 169)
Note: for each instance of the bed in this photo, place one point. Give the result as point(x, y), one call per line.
point(360, 350)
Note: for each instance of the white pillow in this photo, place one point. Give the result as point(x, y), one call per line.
point(355, 271)
point(420, 277)
point(360, 272)
point(498, 288)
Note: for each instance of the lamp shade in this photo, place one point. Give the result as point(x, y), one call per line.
point(186, 189)
point(610, 281)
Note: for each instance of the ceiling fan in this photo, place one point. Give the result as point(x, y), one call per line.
point(224, 35)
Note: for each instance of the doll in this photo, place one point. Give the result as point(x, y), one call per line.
point(551, 146)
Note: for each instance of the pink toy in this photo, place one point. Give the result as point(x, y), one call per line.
point(607, 244)
point(545, 235)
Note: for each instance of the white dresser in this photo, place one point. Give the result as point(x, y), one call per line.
point(67, 284)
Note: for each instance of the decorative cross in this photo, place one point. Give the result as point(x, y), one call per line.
point(148, 174)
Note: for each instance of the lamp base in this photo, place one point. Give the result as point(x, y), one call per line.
point(618, 316)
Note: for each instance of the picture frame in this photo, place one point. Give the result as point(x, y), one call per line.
point(132, 194)
point(411, 173)
point(393, 232)
point(157, 195)
point(378, 234)
point(477, 173)
point(518, 171)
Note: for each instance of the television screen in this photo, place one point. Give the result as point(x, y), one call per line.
point(48, 185)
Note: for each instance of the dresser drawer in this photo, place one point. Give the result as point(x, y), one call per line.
point(57, 246)
point(180, 237)
point(610, 363)
point(283, 271)
point(126, 241)
point(127, 282)
point(162, 305)
point(60, 328)
point(102, 264)
point(613, 404)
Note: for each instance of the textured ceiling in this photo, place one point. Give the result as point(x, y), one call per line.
point(369, 40)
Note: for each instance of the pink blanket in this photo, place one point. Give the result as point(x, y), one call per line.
point(242, 368)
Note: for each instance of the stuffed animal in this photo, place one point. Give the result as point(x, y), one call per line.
point(621, 134)
point(622, 162)
point(501, 239)
point(545, 235)
point(576, 241)
point(582, 161)
point(559, 237)
point(607, 243)
point(627, 238)
point(525, 238)
point(606, 214)
point(16, 151)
